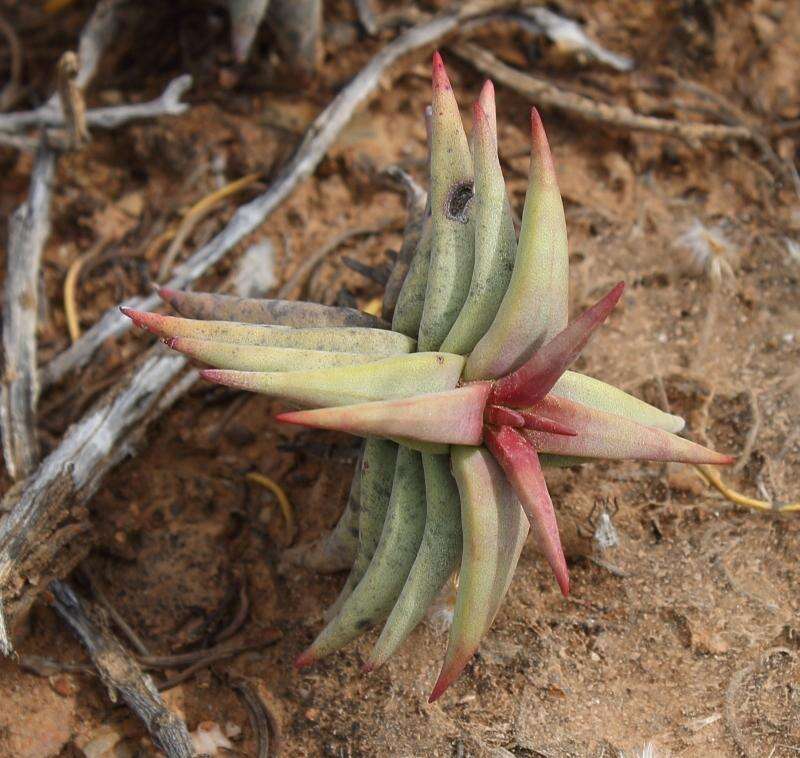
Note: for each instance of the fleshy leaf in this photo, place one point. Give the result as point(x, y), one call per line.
point(494, 529)
point(450, 418)
point(500, 416)
point(604, 435)
point(495, 240)
point(536, 377)
point(438, 556)
point(521, 465)
point(377, 476)
point(211, 306)
point(452, 240)
point(373, 597)
point(338, 339)
point(534, 308)
point(605, 397)
point(259, 358)
point(395, 377)
point(542, 424)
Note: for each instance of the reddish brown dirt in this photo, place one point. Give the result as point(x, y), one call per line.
point(686, 635)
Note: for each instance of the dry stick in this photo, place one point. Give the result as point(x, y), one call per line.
point(209, 654)
point(47, 512)
point(263, 717)
point(28, 231)
point(121, 674)
point(71, 98)
point(416, 201)
point(547, 94)
point(168, 103)
point(259, 716)
point(293, 288)
point(96, 36)
point(196, 213)
point(209, 657)
point(319, 137)
point(113, 613)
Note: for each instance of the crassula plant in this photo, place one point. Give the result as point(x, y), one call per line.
point(462, 402)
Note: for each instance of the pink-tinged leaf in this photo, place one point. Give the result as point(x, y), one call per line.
point(210, 306)
point(345, 339)
point(494, 531)
point(533, 380)
point(605, 397)
point(604, 435)
point(541, 424)
point(227, 355)
point(521, 464)
point(500, 416)
point(487, 104)
point(385, 379)
point(450, 418)
point(534, 307)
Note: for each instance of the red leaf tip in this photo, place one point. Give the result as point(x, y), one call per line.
point(541, 148)
point(305, 659)
point(440, 80)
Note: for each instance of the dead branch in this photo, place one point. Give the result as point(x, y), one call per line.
point(96, 36)
point(71, 98)
point(47, 511)
point(547, 94)
point(121, 674)
point(168, 103)
point(294, 286)
point(416, 203)
point(568, 35)
point(319, 137)
point(264, 714)
point(28, 230)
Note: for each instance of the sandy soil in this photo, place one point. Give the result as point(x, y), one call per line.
point(685, 635)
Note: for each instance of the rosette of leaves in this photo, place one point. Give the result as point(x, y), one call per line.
point(462, 402)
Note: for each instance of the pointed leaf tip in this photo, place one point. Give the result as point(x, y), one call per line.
point(541, 157)
point(167, 294)
point(305, 659)
point(520, 463)
point(142, 319)
point(534, 379)
point(487, 103)
point(441, 81)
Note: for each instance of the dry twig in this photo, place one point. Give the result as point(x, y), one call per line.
point(72, 104)
point(121, 674)
point(263, 715)
point(416, 202)
point(547, 94)
point(113, 613)
point(28, 231)
point(195, 214)
point(319, 137)
point(294, 286)
point(168, 103)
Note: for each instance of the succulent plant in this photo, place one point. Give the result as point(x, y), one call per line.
point(461, 402)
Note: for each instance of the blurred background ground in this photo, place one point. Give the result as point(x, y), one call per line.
point(686, 634)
